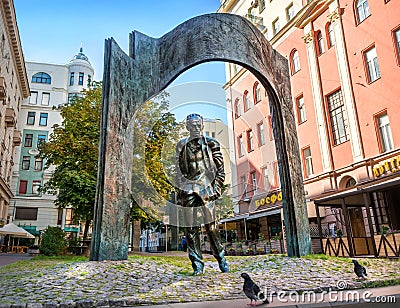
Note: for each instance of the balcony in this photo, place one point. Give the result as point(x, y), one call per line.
point(17, 138)
point(3, 91)
point(258, 21)
point(10, 117)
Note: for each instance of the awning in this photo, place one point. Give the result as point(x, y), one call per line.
point(15, 231)
point(71, 229)
point(264, 213)
point(354, 196)
point(234, 218)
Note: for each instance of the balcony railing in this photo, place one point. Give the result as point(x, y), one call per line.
point(258, 21)
point(3, 91)
point(10, 118)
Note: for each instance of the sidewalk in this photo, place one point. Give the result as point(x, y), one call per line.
point(375, 297)
point(7, 258)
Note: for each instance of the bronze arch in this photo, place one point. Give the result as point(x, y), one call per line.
point(151, 66)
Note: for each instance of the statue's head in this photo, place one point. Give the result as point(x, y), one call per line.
point(194, 124)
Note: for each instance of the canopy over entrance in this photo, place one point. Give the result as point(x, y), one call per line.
point(15, 231)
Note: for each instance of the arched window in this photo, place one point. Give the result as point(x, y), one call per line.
point(237, 108)
point(362, 10)
point(246, 101)
point(320, 43)
point(257, 92)
point(330, 35)
point(294, 61)
point(41, 78)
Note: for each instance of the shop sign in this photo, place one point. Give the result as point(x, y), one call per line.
point(391, 165)
point(269, 199)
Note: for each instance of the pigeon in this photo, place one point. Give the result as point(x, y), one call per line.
point(252, 291)
point(359, 269)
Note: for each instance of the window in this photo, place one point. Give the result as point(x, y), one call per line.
point(71, 78)
point(35, 186)
point(244, 185)
point(31, 118)
point(276, 26)
point(307, 162)
point(396, 35)
point(362, 10)
point(330, 36)
point(80, 81)
point(290, 12)
point(26, 213)
point(207, 133)
point(260, 131)
point(271, 132)
point(69, 217)
point(371, 60)
point(257, 92)
point(276, 174)
point(89, 80)
point(22, 187)
point(261, 4)
point(41, 139)
point(237, 108)
point(254, 181)
point(266, 179)
point(41, 78)
point(385, 133)
point(33, 98)
point(43, 119)
point(246, 100)
point(338, 119)
point(28, 140)
point(295, 61)
point(320, 43)
point(45, 98)
point(38, 164)
point(213, 134)
point(241, 146)
point(250, 142)
point(301, 109)
point(26, 162)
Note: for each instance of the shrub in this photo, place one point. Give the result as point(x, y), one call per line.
point(53, 241)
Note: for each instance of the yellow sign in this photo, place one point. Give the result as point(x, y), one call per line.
point(270, 199)
point(391, 165)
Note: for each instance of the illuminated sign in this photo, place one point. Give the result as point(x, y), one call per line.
point(269, 199)
point(391, 165)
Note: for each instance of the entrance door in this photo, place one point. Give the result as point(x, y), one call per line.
point(357, 222)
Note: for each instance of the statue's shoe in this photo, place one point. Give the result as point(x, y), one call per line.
point(198, 272)
point(223, 266)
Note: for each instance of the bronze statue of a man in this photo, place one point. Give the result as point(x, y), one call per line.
point(200, 178)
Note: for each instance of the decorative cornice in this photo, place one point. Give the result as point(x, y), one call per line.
point(10, 24)
point(309, 37)
point(335, 15)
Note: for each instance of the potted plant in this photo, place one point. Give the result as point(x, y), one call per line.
point(249, 251)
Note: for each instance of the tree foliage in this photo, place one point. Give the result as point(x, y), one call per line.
point(156, 133)
point(73, 150)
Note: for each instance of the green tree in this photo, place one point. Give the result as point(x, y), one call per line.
point(73, 149)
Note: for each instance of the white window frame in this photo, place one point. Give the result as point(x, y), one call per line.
point(371, 62)
point(308, 162)
point(33, 98)
point(45, 98)
point(362, 8)
point(301, 109)
point(385, 133)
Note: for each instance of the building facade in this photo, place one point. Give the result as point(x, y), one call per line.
point(14, 88)
point(51, 86)
point(344, 65)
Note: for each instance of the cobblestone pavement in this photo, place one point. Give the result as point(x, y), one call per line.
point(147, 280)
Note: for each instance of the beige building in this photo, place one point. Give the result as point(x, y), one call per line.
point(14, 88)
